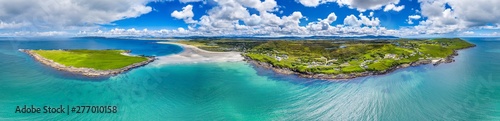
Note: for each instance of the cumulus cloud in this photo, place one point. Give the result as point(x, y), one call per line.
point(331, 18)
point(497, 26)
point(188, 1)
point(339, 30)
point(68, 14)
point(310, 3)
point(363, 5)
point(186, 14)
point(393, 7)
point(323, 24)
point(352, 20)
point(249, 17)
point(462, 14)
point(268, 24)
point(360, 5)
point(12, 25)
point(266, 5)
point(477, 12)
point(228, 14)
point(232, 17)
point(412, 17)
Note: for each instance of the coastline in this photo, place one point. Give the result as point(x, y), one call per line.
point(340, 77)
point(89, 72)
point(193, 54)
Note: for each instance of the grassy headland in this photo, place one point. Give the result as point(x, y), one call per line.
point(340, 57)
point(92, 63)
point(327, 57)
point(95, 59)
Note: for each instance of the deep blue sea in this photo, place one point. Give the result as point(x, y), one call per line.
point(468, 89)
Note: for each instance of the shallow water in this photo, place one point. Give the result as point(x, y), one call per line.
point(467, 89)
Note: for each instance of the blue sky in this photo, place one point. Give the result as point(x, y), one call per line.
point(404, 18)
point(160, 17)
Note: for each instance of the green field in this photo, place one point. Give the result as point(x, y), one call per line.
point(96, 59)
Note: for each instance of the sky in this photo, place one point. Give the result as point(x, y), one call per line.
point(164, 18)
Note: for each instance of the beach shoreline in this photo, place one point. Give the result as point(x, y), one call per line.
point(89, 72)
point(192, 54)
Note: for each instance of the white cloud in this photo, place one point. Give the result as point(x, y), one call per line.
point(233, 17)
point(331, 18)
point(363, 5)
point(463, 14)
point(369, 21)
point(468, 33)
point(492, 34)
point(322, 24)
point(227, 15)
point(352, 20)
point(188, 1)
point(439, 20)
point(253, 20)
point(476, 12)
point(266, 24)
point(186, 14)
point(497, 26)
point(393, 7)
point(35, 34)
point(69, 14)
point(309, 3)
point(267, 5)
point(415, 17)
point(360, 5)
point(412, 17)
point(245, 30)
point(12, 25)
point(432, 8)
point(409, 21)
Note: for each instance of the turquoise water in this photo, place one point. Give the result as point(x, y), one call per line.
point(468, 89)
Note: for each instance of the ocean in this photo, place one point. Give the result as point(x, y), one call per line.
point(468, 89)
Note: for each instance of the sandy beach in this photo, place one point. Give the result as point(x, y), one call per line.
point(192, 54)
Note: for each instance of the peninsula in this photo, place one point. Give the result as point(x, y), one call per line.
point(338, 59)
point(91, 63)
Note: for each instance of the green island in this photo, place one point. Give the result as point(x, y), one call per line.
point(89, 62)
point(339, 59)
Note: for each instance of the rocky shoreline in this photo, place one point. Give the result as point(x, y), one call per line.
point(89, 72)
point(280, 70)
